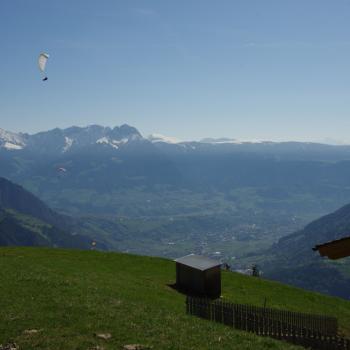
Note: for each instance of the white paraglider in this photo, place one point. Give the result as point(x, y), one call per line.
point(43, 57)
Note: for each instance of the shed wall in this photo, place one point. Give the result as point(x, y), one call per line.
point(190, 279)
point(213, 282)
point(193, 281)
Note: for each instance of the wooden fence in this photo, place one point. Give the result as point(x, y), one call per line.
point(312, 331)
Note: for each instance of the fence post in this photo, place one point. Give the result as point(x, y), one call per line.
point(317, 332)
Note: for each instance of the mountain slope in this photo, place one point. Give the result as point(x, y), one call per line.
point(129, 297)
point(292, 260)
point(12, 141)
point(15, 197)
point(327, 228)
point(27, 221)
point(17, 229)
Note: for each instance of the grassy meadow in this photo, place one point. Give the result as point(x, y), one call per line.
point(70, 295)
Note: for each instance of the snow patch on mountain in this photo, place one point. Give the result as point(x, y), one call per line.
point(224, 140)
point(126, 140)
point(113, 145)
point(116, 143)
point(11, 146)
point(107, 141)
point(103, 140)
point(12, 141)
point(154, 138)
point(68, 145)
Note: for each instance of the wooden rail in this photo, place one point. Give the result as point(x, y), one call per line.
point(313, 331)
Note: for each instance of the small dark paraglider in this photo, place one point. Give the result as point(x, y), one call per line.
point(44, 79)
point(61, 172)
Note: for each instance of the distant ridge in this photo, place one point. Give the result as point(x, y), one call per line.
point(15, 197)
point(125, 137)
point(294, 262)
point(26, 221)
point(72, 138)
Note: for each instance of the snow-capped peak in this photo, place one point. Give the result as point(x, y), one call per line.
point(11, 141)
point(113, 143)
point(161, 138)
point(107, 141)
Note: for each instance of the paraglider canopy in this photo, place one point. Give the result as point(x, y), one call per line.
point(43, 57)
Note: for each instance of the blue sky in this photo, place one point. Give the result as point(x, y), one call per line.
point(272, 69)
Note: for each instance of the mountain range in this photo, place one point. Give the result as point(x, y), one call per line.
point(68, 140)
point(160, 196)
point(116, 171)
point(96, 138)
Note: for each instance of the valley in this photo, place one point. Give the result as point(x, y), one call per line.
point(229, 201)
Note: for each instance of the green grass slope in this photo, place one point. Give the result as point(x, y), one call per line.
point(69, 295)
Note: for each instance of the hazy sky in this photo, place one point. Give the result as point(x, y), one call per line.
point(263, 69)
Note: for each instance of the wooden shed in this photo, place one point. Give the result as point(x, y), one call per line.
point(199, 275)
point(337, 249)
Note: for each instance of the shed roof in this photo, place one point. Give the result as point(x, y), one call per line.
point(198, 262)
point(337, 249)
